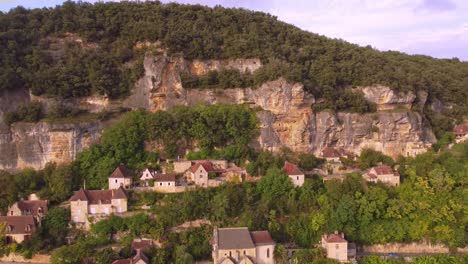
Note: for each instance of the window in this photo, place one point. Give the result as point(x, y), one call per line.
point(115, 180)
point(337, 246)
point(268, 253)
point(297, 177)
point(230, 254)
point(244, 252)
point(201, 176)
point(160, 184)
point(168, 184)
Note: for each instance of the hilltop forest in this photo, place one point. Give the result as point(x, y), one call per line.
point(98, 55)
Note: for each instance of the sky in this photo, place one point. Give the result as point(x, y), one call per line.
point(437, 28)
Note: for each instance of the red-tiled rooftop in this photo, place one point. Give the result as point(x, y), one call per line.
point(291, 169)
point(121, 172)
point(160, 177)
point(383, 169)
point(19, 224)
point(207, 165)
point(334, 238)
point(96, 196)
point(331, 152)
point(142, 244)
point(33, 206)
point(461, 129)
point(261, 237)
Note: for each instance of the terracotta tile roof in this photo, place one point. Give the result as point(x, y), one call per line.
point(160, 177)
point(33, 206)
point(19, 224)
point(234, 238)
point(142, 244)
point(371, 176)
point(334, 238)
point(331, 152)
point(261, 238)
point(96, 196)
point(208, 166)
point(139, 256)
point(383, 169)
point(461, 129)
point(291, 169)
point(121, 172)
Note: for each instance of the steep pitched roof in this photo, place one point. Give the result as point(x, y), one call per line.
point(96, 196)
point(234, 238)
point(160, 177)
point(335, 238)
point(461, 129)
point(142, 244)
point(261, 238)
point(33, 206)
point(291, 169)
point(121, 172)
point(383, 169)
point(208, 166)
point(331, 152)
point(19, 224)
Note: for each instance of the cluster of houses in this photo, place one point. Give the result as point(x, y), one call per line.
point(230, 245)
point(23, 218)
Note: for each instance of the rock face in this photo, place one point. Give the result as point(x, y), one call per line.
point(33, 145)
point(285, 115)
point(386, 99)
point(286, 118)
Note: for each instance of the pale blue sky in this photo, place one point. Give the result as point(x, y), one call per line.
point(437, 28)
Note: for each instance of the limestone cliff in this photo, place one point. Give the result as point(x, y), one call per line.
point(33, 145)
point(286, 116)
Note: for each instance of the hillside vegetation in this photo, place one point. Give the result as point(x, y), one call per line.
point(104, 58)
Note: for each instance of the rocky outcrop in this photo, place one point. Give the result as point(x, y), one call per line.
point(394, 133)
point(35, 144)
point(284, 111)
point(286, 118)
point(387, 99)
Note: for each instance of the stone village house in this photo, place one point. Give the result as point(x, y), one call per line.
point(382, 173)
point(18, 228)
point(461, 133)
point(147, 176)
point(294, 173)
point(238, 245)
point(337, 247)
point(121, 177)
point(36, 208)
point(97, 204)
point(164, 182)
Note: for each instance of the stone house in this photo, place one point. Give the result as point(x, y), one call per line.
point(121, 177)
point(294, 173)
point(97, 204)
point(331, 154)
point(181, 166)
point(147, 176)
point(164, 182)
point(461, 133)
point(382, 173)
point(199, 173)
point(238, 245)
point(337, 247)
point(235, 174)
point(18, 228)
point(36, 208)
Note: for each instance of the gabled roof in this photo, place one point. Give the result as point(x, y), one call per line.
point(96, 196)
point(383, 169)
point(33, 206)
point(334, 238)
point(331, 152)
point(19, 224)
point(234, 238)
point(291, 169)
point(160, 177)
point(121, 172)
point(461, 129)
point(142, 244)
point(261, 238)
point(208, 166)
